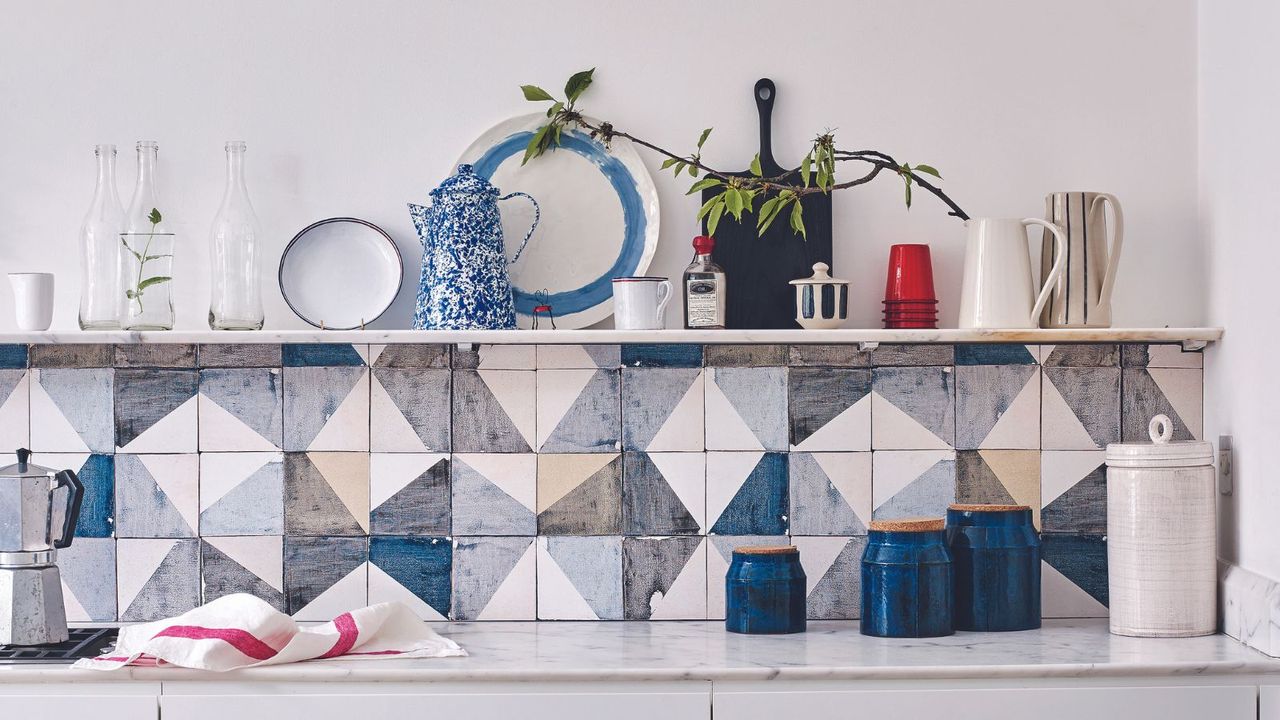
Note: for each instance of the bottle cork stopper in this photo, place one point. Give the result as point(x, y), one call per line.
point(978, 507)
point(909, 525)
point(766, 550)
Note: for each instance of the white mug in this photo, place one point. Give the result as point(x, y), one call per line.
point(999, 290)
point(32, 300)
point(639, 302)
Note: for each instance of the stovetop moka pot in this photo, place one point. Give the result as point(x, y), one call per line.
point(39, 508)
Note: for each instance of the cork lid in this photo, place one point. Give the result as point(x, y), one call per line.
point(909, 525)
point(766, 550)
point(978, 507)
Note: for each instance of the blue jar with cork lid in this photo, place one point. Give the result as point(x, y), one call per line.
point(906, 579)
point(995, 556)
point(765, 591)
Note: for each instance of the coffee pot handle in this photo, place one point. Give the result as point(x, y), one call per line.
point(1113, 253)
point(1058, 266)
point(537, 215)
point(75, 496)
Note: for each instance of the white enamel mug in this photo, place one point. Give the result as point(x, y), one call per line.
point(32, 300)
point(639, 302)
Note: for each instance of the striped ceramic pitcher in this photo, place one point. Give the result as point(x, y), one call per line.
point(1082, 297)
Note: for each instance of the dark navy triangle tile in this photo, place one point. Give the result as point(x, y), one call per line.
point(1082, 508)
point(421, 564)
point(1082, 559)
point(13, 356)
point(313, 564)
point(817, 395)
point(760, 506)
point(145, 397)
point(1001, 354)
point(665, 355)
point(321, 355)
point(97, 509)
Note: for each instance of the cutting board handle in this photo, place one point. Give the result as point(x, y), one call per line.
point(766, 92)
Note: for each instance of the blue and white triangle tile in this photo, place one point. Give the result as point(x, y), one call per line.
point(578, 411)
point(1082, 355)
point(157, 496)
point(580, 494)
point(1073, 575)
point(664, 355)
point(326, 493)
point(830, 493)
point(496, 357)
point(1073, 491)
point(157, 578)
point(156, 411)
point(97, 472)
point(15, 407)
point(325, 576)
point(88, 571)
point(241, 410)
point(664, 578)
point(409, 409)
point(606, 357)
point(13, 356)
point(71, 410)
point(252, 564)
point(326, 408)
point(746, 408)
point(998, 406)
point(913, 408)
point(324, 355)
point(494, 410)
point(1150, 391)
point(912, 483)
point(409, 355)
point(719, 554)
point(242, 493)
point(747, 493)
point(495, 578)
point(416, 571)
point(829, 409)
point(409, 494)
point(580, 578)
point(495, 493)
point(996, 354)
point(833, 575)
point(664, 493)
point(662, 409)
point(1079, 407)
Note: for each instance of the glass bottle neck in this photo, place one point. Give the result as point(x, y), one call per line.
point(235, 172)
point(145, 190)
point(105, 189)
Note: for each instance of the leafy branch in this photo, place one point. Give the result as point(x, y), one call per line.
point(135, 293)
point(737, 194)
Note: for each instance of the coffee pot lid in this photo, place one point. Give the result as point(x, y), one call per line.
point(25, 468)
point(466, 182)
point(1160, 452)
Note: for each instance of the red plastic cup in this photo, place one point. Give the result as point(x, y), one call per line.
point(910, 273)
point(910, 324)
point(913, 318)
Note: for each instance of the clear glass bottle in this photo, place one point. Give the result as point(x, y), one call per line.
point(235, 302)
point(147, 251)
point(101, 289)
point(704, 288)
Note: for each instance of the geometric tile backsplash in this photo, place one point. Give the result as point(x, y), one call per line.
point(521, 482)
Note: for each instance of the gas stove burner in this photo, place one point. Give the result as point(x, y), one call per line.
point(83, 642)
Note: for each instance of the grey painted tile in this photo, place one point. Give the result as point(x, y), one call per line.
point(930, 354)
point(577, 417)
point(593, 567)
point(247, 355)
point(1170, 355)
point(155, 356)
point(489, 580)
point(410, 410)
point(171, 588)
point(926, 395)
point(913, 483)
point(494, 494)
point(580, 494)
point(483, 406)
point(1080, 407)
point(654, 504)
point(222, 574)
point(81, 399)
point(312, 565)
point(155, 496)
point(242, 493)
point(662, 409)
point(313, 502)
point(422, 507)
point(745, 355)
point(143, 398)
point(1175, 392)
point(828, 356)
point(757, 396)
point(88, 570)
point(834, 568)
point(830, 493)
point(817, 396)
point(653, 568)
point(410, 356)
point(495, 357)
point(71, 356)
point(253, 397)
point(313, 399)
point(1105, 355)
point(988, 396)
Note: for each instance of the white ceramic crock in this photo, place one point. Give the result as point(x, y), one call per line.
point(1161, 533)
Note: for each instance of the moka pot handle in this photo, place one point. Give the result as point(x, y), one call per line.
point(75, 497)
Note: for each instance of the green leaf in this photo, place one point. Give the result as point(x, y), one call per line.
point(755, 166)
point(557, 107)
point(152, 281)
point(703, 137)
point(765, 210)
point(713, 220)
point(578, 83)
point(693, 171)
point(703, 184)
point(154, 218)
point(806, 167)
point(154, 257)
point(748, 200)
point(533, 93)
point(706, 206)
point(669, 162)
point(680, 166)
point(797, 219)
point(734, 203)
point(928, 169)
point(908, 184)
point(536, 144)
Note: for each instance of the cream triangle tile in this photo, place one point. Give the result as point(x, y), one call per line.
point(848, 431)
point(348, 475)
point(1060, 429)
point(1183, 388)
point(683, 430)
point(222, 431)
point(558, 475)
point(177, 476)
point(726, 472)
point(389, 428)
point(220, 473)
point(175, 432)
point(1062, 598)
point(50, 429)
point(516, 394)
point(1019, 426)
point(348, 427)
point(850, 473)
point(817, 555)
point(136, 562)
point(389, 473)
point(349, 593)
point(894, 429)
point(686, 473)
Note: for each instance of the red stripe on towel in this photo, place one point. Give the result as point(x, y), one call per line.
point(347, 634)
point(241, 640)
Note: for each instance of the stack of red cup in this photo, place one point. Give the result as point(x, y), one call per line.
point(909, 300)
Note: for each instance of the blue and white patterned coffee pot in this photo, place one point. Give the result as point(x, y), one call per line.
point(465, 284)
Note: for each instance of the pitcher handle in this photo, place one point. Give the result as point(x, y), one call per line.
point(75, 495)
point(1058, 266)
point(1113, 257)
point(537, 214)
point(664, 296)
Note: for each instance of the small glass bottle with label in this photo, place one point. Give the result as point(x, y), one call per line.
point(704, 289)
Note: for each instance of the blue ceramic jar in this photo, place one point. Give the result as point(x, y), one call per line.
point(906, 580)
point(995, 557)
point(765, 591)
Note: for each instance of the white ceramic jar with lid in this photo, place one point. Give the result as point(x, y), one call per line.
point(1161, 536)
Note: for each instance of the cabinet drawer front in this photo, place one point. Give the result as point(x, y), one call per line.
point(472, 706)
point(98, 707)
point(1152, 703)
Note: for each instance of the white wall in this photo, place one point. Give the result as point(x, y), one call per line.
point(354, 108)
point(1240, 194)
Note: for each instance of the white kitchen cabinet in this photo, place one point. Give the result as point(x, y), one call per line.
point(1269, 702)
point(56, 701)
point(1143, 703)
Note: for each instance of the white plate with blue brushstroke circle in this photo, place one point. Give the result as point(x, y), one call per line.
point(599, 218)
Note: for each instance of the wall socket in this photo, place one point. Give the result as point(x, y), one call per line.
point(1226, 483)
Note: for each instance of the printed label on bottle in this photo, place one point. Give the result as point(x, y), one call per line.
point(702, 302)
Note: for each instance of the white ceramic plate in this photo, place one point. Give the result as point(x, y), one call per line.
point(340, 273)
point(599, 218)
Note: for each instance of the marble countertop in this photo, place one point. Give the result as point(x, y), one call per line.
point(1196, 337)
point(668, 651)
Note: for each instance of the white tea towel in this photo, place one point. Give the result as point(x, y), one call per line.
point(238, 631)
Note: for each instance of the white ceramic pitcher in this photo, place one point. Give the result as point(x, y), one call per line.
point(999, 290)
point(1082, 298)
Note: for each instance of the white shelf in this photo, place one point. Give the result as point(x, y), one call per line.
point(1190, 338)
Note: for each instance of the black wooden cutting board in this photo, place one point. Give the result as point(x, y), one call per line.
point(758, 268)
